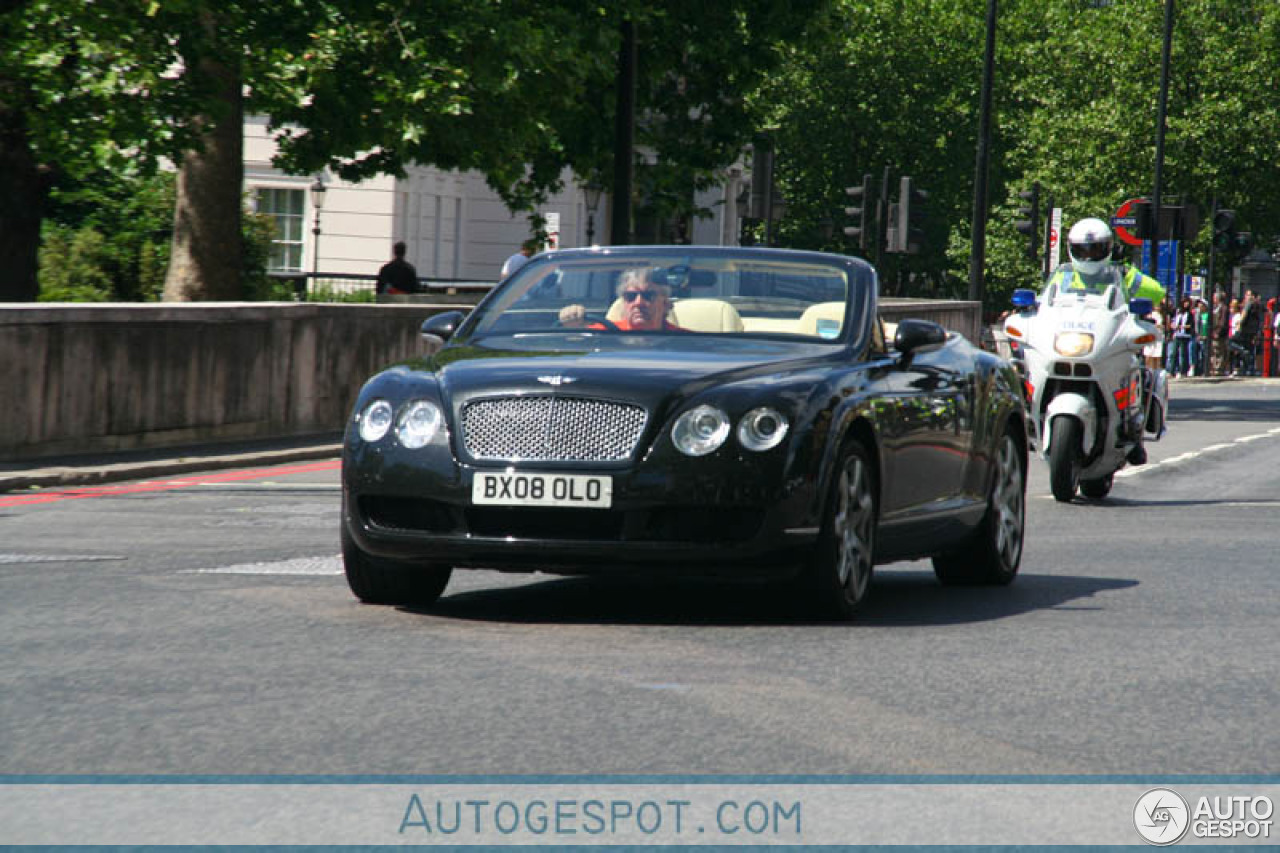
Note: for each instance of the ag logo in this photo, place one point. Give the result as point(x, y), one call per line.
point(1161, 816)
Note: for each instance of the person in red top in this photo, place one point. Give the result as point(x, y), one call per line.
point(645, 305)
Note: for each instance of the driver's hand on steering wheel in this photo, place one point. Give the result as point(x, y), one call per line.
point(573, 316)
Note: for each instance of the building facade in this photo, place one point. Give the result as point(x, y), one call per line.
point(454, 226)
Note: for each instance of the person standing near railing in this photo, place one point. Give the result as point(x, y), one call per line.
point(397, 275)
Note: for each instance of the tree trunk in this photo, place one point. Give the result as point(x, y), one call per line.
point(205, 262)
point(24, 187)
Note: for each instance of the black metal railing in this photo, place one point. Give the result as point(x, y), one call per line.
point(307, 286)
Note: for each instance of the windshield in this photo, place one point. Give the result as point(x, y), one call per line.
point(713, 292)
point(1068, 284)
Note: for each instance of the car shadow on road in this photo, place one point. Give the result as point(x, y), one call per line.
point(897, 597)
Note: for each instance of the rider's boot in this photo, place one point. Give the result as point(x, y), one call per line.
point(1138, 455)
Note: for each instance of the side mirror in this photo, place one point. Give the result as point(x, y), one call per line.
point(1141, 307)
point(915, 336)
point(1023, 298)
point(439, 328)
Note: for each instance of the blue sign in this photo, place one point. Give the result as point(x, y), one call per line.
point(1168, 273)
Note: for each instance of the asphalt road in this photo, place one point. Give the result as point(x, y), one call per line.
point(199, 624)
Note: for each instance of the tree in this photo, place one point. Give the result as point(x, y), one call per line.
point(524, 91)
point(82, 88)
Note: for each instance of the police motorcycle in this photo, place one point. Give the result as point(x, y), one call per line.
point(1089, 396)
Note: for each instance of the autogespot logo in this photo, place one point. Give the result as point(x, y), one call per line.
point(1161, 816)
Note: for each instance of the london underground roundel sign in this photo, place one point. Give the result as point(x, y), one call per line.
point(1125, 219)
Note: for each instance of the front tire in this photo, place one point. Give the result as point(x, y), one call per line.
point(1064, 458)
point(842, 563)
point(377, 581)
point(994, 553)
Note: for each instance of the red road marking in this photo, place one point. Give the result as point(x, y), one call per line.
point(165, 485)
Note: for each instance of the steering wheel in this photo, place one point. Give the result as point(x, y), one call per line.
point(599, 318)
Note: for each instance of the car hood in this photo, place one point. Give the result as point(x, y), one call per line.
point(642, 368)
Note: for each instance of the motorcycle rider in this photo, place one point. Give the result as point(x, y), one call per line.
point(1090, 245)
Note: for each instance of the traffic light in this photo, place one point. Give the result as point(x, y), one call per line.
point(1143, 221)
point(1224, 230)
point(857, 212)
point(1244, 242)
point(911, 216)
point(1029, 224)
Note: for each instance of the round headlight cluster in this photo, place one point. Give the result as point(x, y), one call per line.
point(419, 422)
point(700, 431)
point(761, 429)
point(375, 420)
point(704, 429)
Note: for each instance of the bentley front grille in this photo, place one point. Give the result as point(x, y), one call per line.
point(551, 429)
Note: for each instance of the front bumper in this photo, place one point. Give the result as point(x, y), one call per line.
point(680, 523)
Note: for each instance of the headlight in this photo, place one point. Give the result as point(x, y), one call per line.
point(1073, 344)
point(761, 429)
point(419, 423)
point(700, 431)
point(375, 420)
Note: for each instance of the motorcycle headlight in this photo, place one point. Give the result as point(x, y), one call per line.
point(1073, 344)
point(375, 420)
point(762, 429)
point(419, 423)
point(700, 431)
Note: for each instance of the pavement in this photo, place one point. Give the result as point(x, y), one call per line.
point(100, 468)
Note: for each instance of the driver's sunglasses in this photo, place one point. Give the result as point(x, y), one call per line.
point(646, 295)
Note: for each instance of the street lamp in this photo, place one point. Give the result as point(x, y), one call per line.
point(591, 194)
point(318, 190)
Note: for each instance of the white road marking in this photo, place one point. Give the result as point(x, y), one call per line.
point(299, 566)
point(1195, 454)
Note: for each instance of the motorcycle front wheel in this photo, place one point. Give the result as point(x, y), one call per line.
point(1064, 458)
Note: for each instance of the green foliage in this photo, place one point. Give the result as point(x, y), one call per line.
point(324, 293)
point(133, 216)
point(72, 266)
point(523, 91)
point(258, 230)
point(886, 82)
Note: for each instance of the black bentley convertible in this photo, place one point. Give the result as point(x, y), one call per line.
point(698, 411)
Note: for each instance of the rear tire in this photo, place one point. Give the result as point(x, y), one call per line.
point(1064, 458)
point(377, 581)
point(993, 554)
point(839, 572)
point(1097, 489)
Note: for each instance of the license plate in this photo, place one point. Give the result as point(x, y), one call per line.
point(524, 488)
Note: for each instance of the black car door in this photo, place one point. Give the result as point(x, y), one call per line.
point(927, 432)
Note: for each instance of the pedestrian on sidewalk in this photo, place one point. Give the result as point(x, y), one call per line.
point(397, 275)
point(1218, 339)
point(1181, 324)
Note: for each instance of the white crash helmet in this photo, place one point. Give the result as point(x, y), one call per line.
point(1089, 243)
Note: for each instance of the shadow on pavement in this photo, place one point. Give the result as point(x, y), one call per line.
point(897, 597)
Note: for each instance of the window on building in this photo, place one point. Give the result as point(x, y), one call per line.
point(286, 208)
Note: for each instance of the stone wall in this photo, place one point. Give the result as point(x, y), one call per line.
point(84, 379)
point(102, 378)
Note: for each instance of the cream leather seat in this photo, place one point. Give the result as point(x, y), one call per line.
point(823, 320)
point(706, 315)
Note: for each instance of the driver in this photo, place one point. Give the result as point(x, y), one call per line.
point(645, 306)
